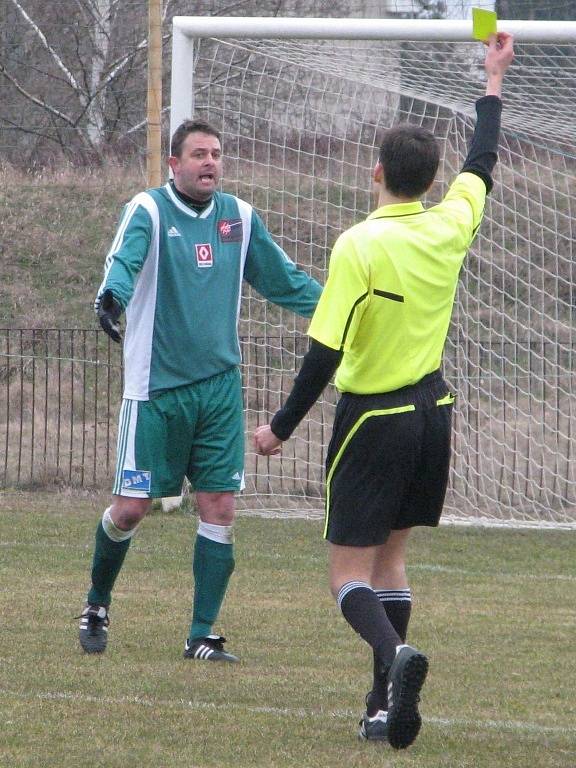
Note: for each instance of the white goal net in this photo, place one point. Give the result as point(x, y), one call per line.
point(301, 122)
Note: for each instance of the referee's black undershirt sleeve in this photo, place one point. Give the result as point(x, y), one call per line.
point(317, 369)
point(483, 152)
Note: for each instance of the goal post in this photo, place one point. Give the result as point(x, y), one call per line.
point(301, 105)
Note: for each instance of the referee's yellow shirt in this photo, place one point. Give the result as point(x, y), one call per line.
point(390, 290)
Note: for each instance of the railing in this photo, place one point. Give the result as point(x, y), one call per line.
point(59, 393)
point(514, 446)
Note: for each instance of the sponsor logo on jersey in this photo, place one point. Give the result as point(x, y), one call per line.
point(173, 232)
point(236, 476)
point(230, 230)
point(204, 255)
point(136, 479)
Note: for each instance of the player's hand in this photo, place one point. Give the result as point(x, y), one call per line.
point(500, 53)
point(265, 441)
point(109, 310)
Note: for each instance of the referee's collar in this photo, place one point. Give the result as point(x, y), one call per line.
point(397, 209)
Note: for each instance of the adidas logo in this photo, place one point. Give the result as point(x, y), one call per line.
point(173, 232)
point(202, 652)
point(236, 476)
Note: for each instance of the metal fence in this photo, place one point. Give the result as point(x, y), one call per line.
point(514, 448)
point(59, 392)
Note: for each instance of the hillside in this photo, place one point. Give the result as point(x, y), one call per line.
point(56, 229)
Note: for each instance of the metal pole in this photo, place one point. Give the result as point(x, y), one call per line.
point(440, 30)
point(182, 85)
point(154, 135)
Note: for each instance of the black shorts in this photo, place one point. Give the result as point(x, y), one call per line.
point(388, 462)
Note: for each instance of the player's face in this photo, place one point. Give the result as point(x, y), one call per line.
point(198, 170)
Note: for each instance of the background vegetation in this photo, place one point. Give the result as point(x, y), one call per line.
point(56, 229)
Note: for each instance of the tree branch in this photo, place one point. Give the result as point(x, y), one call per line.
point(98, 18)
point(112, 75)
point(142, 123)
point(34, 99)
point(46, 107)
point(10, 126)
point(42, 37)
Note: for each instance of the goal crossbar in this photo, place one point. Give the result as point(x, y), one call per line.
point(421, 30)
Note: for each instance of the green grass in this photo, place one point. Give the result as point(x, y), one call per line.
point(494, 609)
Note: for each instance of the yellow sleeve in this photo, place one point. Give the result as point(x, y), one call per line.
point(344, 297)
point(465, 201)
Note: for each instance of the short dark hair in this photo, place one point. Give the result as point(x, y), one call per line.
point(409, 155)
point(187, 127)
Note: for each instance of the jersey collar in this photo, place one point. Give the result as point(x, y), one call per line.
point(186, 208)
point(397, 209)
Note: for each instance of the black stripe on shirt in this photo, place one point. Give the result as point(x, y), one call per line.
point(359, 300)
point(388, 295)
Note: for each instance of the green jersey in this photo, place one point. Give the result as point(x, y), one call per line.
point(178, 275)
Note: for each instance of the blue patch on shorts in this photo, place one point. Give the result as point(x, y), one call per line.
point(136, 480)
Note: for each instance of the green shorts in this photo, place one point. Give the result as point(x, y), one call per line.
point(195, 431)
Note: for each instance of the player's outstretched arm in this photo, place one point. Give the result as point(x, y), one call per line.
point(318, 367)
point(499, 56)
point(483, 152)
point(109, 311)
point(275, 276)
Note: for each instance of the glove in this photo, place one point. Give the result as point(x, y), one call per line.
point(109, 310)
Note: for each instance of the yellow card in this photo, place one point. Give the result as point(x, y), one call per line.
point(483, 24)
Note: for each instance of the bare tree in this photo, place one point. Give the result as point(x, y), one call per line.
point(65, 67)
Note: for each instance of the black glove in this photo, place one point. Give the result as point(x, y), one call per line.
point(109, 310)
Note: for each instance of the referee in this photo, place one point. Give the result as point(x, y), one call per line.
point(382, 322)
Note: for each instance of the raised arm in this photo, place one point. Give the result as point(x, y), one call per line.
point(483, 151)
point(499, 56)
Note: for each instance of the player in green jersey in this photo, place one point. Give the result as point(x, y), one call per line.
point(176, 268)
point(382, 323)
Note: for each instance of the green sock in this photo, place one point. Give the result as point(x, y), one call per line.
point(108, 558)
point(212, 568)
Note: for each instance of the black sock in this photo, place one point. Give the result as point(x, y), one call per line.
point(364, 612)
point(397, 604)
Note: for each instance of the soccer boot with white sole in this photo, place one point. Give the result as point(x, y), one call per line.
point(210, 648)
point(94, 623)
point(405, 680)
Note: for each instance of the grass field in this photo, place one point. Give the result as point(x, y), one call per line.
point(494, 609)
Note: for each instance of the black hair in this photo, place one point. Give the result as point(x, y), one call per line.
point(409, 156)
point(187, 127)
